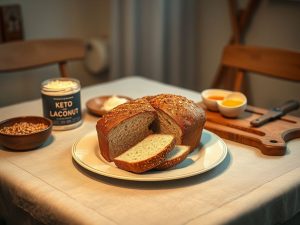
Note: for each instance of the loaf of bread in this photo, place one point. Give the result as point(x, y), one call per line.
point(147, 154)
point(178, 116)
point(129, 123)
point(124, 126)
point(174, 157)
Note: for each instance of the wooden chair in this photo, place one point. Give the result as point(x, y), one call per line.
point(277, 63)
point(30, 54)
point(240, 19)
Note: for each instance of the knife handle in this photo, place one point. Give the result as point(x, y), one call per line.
point(288, 106)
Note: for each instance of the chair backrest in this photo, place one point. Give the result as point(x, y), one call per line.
point(278, 63)
point(30, 54)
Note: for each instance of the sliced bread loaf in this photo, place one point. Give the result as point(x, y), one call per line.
point(174, 157)
point(129, 123)
point(147, 154)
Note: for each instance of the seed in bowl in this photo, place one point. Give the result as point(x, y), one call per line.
point(23, 128)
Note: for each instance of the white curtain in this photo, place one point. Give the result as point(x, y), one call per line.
point(154, 39)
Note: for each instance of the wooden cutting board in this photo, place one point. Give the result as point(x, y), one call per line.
point(270, 138)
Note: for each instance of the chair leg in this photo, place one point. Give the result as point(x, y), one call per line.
point(217, 82)
point(240, 20)
point(229, 78)
point(63, 69)
point(238, 80)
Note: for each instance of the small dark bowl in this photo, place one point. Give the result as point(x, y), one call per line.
point(22, 142)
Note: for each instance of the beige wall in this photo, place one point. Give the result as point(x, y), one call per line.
point(55, 19)
point(275, 24)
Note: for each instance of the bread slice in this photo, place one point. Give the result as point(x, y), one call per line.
point(176, 156)
point(147, 154)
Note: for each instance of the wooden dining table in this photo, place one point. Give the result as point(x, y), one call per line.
point(49, 185)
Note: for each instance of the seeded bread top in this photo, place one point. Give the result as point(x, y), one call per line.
point(184, 111)
point(123, 112)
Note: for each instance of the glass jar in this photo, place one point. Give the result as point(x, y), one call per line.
point(61, 102)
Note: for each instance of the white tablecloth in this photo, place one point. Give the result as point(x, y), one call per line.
point(47, 186)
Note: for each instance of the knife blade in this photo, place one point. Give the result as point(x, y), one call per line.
point(275, 113)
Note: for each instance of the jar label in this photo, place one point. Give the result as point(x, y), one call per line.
point(62, 110)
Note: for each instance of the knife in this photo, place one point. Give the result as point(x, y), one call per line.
point(275, 113)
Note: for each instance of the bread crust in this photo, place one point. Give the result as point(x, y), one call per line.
point(186, 114)
point(148, 164)
point(173, 162)
point(115, 117)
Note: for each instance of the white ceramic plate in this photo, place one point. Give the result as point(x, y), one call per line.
point(212, 152)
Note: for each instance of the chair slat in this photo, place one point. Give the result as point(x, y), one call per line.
point(272, 62)
point(34, 53)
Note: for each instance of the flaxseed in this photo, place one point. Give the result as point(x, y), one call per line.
point(23, 128)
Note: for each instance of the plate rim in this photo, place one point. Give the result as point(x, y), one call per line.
point(139, 177)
